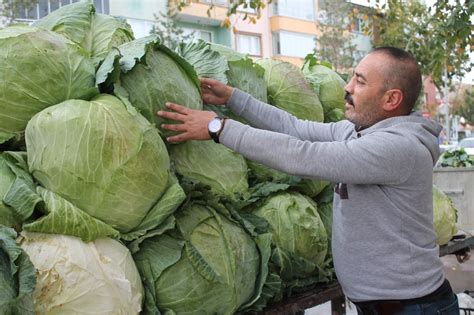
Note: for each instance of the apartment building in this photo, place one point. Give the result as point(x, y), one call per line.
point(286, 30)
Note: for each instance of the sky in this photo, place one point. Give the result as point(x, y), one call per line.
point(469, 77)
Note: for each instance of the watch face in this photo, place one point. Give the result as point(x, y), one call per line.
point(214, 125)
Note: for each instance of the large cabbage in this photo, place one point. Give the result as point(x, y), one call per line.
point(17, 276)
point(444, 216)
point(228, 66)
point(7, 177)
point(149, 75)
point(102, 156)
point(207, 265)
point(212, 164)
point(288, 90)
point(328, 85)
point(74, 277)
point(96, 33)
point(39, 69)
point(298, 233)
point(18, 197)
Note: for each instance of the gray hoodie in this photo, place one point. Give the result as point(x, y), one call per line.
point(383, 240)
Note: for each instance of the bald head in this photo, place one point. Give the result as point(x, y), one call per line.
point(401, 72)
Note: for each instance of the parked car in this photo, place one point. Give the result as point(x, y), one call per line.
point(468, 145)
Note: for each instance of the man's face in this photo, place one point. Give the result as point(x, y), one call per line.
point(365, 91)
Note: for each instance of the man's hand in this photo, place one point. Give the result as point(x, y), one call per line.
point(215, 92)
point(193, 123)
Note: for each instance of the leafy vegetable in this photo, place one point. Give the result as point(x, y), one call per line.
point(456, 158)
point(288, 90)
point(28, 86)
point(211, 164)
point(149, 75)
point(207, 265)
point(445, 216)
point(17, 276)
point(298, 234)
point(96, 33)
point(328, 85)
point(102, 156)
point(99, 277)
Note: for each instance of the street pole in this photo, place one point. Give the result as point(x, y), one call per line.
point(448, 132)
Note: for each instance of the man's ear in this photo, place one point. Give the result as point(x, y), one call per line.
point(393, 100)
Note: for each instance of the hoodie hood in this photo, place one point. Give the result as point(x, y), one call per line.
point(425, 130)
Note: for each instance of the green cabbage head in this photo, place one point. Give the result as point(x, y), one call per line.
point(102, 156)
point(444, 217)
point(73, 277)
point(327, 84)
point(212, 164)
point(208, 265)
point(298, 233)
point(149, 75)
point(288, 90)
point(39, 69)
point(7, 177)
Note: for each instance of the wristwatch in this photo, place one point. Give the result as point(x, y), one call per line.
point(215, 126)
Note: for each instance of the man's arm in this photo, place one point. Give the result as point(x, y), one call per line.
point(371, 159)
point(265, 116)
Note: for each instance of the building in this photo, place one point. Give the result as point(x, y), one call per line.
point(286, 30)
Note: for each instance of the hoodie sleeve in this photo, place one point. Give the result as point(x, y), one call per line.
point(265, 116)
point(376, 158)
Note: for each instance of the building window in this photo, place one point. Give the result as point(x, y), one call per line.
point(215, 2)
point(102, 6)
point(293, 44)
point(36, 11)
point(248, 44)
point(302, 9)
point(358, 25)
point(200, 34)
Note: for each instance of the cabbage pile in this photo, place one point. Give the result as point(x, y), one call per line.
point(98, 215)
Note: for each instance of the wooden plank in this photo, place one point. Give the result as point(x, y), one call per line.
point(297, 303)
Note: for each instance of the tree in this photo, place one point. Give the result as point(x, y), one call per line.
point(167, 28)
point(440, 39)
point(466, 109)
point(10, 9)
point(335, 43)
point(257, 5)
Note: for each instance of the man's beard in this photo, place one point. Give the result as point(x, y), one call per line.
point(361, 119)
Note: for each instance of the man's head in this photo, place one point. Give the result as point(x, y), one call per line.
point(386, 83)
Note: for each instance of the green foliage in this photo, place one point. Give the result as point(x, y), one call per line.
point(334, 43)
point(17, 276)
point(466, 109)
point(439, 39)
point(456, 158)
point(167, 28)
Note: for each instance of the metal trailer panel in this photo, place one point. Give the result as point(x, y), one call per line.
point(458, 184)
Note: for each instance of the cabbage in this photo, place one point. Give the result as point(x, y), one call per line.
point(101, 156)
point(7, 177)
point(96, 33)
point(211, 164)
point(298, 234)
point(18, 198)
point(288, 90)
point(329, 87)
point(224, 64)
point(149, 75)
point(39, 69)
point(17, 276)
point(74, 277)
point(444, 217)
point(207, 265)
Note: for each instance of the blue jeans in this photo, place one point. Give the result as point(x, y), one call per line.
point(444, 306)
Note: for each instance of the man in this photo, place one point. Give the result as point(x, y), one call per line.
point(382, 157)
